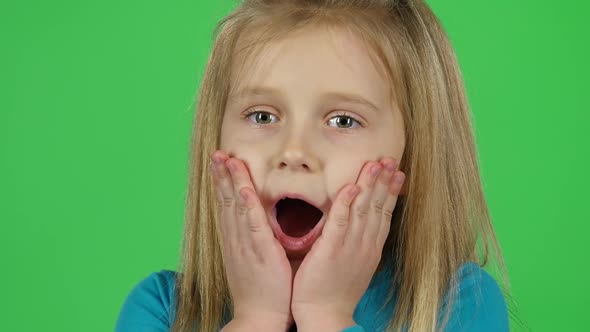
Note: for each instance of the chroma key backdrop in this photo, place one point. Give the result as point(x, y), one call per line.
point(96, 104)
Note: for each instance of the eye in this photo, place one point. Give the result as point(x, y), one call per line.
point(344, 121)
point(260, 117)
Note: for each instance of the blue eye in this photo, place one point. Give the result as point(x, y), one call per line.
point(343, 121)
point(260, 117)
point(340, 121)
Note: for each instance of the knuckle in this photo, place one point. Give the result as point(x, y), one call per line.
point(388, 213)
point(241, 209)
point(377, 206)
point(227, 201)
point(361, 212)
point(222, 174)
point(254, 226)
point(341, 220)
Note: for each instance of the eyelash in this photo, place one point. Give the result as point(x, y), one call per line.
point(339, 114)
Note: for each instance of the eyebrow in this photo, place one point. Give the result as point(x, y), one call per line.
point(255, 91)
point(350, 98)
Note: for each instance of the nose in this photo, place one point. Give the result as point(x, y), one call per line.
point(295, 161)
point(296, 154)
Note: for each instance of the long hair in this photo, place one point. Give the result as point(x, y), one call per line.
point(441, 221)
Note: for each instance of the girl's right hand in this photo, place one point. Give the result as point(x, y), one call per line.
point(258, 271)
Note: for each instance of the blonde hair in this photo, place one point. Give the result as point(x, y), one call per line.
point(440, 223)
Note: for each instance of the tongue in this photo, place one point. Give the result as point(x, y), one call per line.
point(296, 217)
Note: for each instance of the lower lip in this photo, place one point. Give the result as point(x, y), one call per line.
point(296, 246)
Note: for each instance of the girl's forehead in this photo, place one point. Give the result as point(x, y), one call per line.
point(333, 55)
point(256, 45)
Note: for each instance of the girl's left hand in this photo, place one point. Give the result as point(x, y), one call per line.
point(336, 272)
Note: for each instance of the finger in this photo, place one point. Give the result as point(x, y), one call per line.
point(393, 193)
point(260, 234)
point(225, 195)
point(242, 180)
point(225, 183)
point(240, 175)
point(361, 205)
point(380, 193)
point(218, 195)
point(338, 220)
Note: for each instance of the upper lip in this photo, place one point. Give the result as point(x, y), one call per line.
point(294, 195)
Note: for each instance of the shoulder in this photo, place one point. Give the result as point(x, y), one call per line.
point(149, 306)
point(479, 304)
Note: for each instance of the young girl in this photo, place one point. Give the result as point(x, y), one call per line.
point(334, 182)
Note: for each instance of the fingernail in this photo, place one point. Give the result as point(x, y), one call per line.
point(391, 166)
point(400, 178)
point(232, 165)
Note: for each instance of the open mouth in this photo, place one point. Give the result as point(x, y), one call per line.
point(297, 217)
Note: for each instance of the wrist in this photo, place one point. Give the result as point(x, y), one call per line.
point(256, 323)
point(241, 325)
point(318, 321)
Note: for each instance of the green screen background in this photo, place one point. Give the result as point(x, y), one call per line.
point(96, 103)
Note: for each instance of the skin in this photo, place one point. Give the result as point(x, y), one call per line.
point(307, 139)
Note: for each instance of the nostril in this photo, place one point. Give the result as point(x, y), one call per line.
point(294, 166)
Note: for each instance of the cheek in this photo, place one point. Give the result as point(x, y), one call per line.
point(338, 176)
point(258, 174)
point(254, 161)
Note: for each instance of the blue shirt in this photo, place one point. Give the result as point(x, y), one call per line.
point(480, 305)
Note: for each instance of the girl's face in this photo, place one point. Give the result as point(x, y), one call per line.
point(322, 110)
